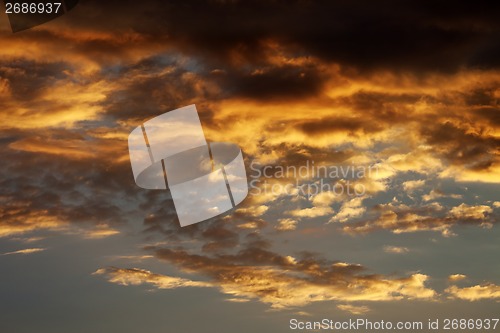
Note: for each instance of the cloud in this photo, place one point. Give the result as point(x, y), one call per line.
point(137, 258)
point(100, 232)
point(324, 37)
point(456, 277)
point(18, 222)
point(135, 276)
point(400, 218)
point(412, 185)
point(286, 225)
point(475, 293)
point(320, 206)
point(396, 249)
point(249, 225)
point(353, 309)
point(436, 194)
point(311, 212)
point(219, 237)
point(467, 212)
point(27, 239)
point(25, 251)
point(237, 300)
point(325, 199)
point(343, 87)
point(44, 94)
point(254, 211)
point(279, 281)
point(350, 210)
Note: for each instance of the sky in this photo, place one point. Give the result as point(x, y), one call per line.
point(408, 89)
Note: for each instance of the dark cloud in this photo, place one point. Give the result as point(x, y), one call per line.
point(461, 147)
point(491, 114)
point(271, 49)
point(152, 86)
point(411, 36)
point(290, 81)
point(27, 79)
point(47, 189)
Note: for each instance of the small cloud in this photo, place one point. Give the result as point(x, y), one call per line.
point(350, 210)
point(253, 211)
point(136, 276)
point(248, 225)
point(132, 258)
point(25, 251)
point(412, 185)
point(456, 277)
point(28, 239)
point(320, 206)
point(325, 199)
point(356, 310)
point(238, 300)
point(311, 212)
point(341, 264)
point(303, 314)
point(286, 225)
point(465, 211)
point(475, 293)
point(396, 249)
point(436, 194)
point(290, 260)
point(101, 232)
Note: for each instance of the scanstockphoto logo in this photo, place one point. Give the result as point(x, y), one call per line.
point(170, 152)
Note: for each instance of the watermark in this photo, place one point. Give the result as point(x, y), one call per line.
point(25, 15)
point(310, 179)
point(364, 324)
point(170, 152)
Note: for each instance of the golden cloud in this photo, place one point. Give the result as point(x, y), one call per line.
point(280, 290)
point(400, 218)
point(475, 293)
point(456, 277)
point(289, 283)
point(135, 276)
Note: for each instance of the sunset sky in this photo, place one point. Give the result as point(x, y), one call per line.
point(409, 88)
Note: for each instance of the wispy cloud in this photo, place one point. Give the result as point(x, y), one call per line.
point(135, 276)
point(354, 309)
point(25, 251)
point(396, 249)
